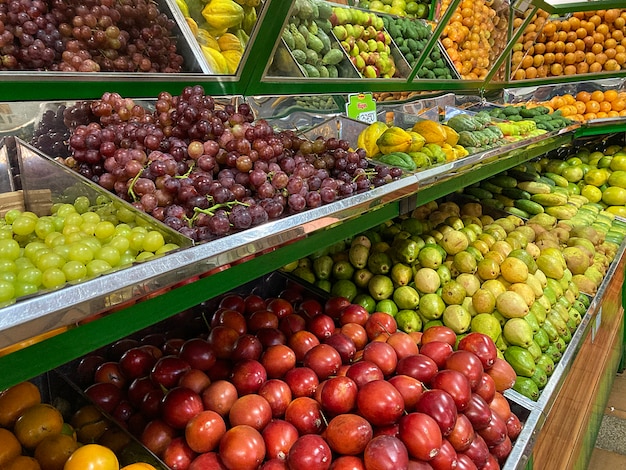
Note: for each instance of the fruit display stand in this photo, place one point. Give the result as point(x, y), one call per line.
point(188, 277)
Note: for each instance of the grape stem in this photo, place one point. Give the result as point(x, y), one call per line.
point(211, 210)
point(131, 186)
point(186, 175)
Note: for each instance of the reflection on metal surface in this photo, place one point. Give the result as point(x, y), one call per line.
point(41, 313)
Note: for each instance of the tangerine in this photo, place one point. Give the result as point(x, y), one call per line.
point(15, 400)
point(22, 462)
point(53, 451)
point(592, 106)
point(9, 447)
point(605, 106)
point(36, 423)
point(597, 95)
point(610, 95)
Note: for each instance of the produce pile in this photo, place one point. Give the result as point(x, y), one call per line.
point(40, 436)
point(523, 283)
point(402, 8)
point(291, 382)
point(588, 105)
point(74, 243)
point(474, 37)
point(411, 36)
point(559, 186)
point(427, 143)
point(207, 170)
point(364, 38)
point(222, 28)
point(308, 36)
point(541, 115)
point(87, 36)
point(586, 42)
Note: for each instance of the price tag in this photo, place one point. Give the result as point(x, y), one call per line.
point(596, 324)
point(362, 107)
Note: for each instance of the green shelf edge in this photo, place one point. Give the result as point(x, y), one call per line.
point(53, 352)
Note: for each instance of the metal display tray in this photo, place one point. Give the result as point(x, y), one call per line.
point(38, 314)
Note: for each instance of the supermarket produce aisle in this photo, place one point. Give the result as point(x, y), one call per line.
point(610, 449)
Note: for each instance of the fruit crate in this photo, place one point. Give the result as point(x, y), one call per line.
point(196, 321)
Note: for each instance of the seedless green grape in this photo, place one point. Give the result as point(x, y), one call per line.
point(75, 242)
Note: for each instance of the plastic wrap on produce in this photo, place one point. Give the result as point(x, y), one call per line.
point(546, 92)
point(340, 127)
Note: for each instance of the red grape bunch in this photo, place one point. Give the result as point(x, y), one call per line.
point(206, 170)
point(87, 36)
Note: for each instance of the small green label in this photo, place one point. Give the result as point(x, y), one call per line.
point(362, 107)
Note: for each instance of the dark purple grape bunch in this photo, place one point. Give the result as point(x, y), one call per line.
point(208, 170)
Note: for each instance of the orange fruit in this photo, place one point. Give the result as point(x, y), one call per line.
point(22, 462)
point(595, 67)
point(92, 457)
point(581, 108)
point(569, 99)
point(618, 105)
point(601, 115)
point(53, 451)
point(37, 422)
point(15, 400)
point(583, 96)
point(597, 95)
point(622, 112)
point(592, 106)
point(612, 114)
point(605, 106)
point(138, 466)
point(590, 116)
point(610, 95)
point(556, 69)
point(582, 67)
point(9, 447)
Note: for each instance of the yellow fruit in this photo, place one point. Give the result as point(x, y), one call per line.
point(193, 26)
point(452, 137)
point(233, 58)
point(368, 137)
point(222, 14)
point(593, 193)
point(614, 196)
point(36, 423)
point(417, 142)
point(433, 132)
point(205, 38)
point(394, 139)
point(216, 61)
point(15, 400)
point(229, 42)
